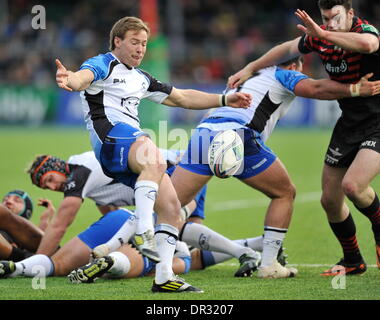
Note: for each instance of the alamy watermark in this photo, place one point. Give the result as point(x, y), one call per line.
point(339, 281)
point(39, 280)
point(39, 18)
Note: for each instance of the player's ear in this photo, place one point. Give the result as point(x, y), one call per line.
point(351, 13)
point(117, 42)
point(293, 66)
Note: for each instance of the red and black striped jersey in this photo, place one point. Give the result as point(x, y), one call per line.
point(348, 67)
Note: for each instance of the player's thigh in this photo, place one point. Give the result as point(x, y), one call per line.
point(364, 168)
point(72, 255)
point(274, 181)
point(144, 153)
point(187, 184)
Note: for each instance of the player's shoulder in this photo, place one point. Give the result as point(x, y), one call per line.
point(363, 26)
point(101, 59)
point(289, 78)
point(86, 159)
point(101, 65)
point(145, 74)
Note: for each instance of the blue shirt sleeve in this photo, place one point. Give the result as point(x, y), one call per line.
point(99, 65)
point(289, 78)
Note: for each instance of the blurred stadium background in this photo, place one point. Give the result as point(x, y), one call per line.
point(194, 44)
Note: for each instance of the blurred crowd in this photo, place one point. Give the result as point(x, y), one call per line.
point(208, 39)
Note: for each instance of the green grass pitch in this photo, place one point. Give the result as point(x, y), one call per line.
point(232, 208)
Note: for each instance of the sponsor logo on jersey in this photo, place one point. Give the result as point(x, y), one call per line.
point(119, 80)
point(368, 143)
point(336, 69)
point(335, 152)
point(369, 28)
point(130, 102)
point(70, 185)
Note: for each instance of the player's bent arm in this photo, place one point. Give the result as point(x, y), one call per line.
point(352, 41)
point(198, 100)
point(5, 248)
point(58, 226)
point(73, 81)
point(325, 89)
point(277, 55)
point(23, 231)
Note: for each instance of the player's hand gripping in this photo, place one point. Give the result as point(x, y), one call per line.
point(239, 77)
point(366, 88)
point(239, 100)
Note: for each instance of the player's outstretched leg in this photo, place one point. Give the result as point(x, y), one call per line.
point(91, 271)
point(6, 268)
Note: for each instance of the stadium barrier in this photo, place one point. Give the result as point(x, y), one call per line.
point(33, 106)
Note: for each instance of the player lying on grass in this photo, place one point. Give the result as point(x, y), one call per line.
point(82, 177)
point(126, 262)
point(273, 89)
point(19, 238)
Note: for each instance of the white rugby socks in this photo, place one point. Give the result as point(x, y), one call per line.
point(200, 236)
point(272, 242)
point(38, 265)
point(166, 238)
point(145, 196)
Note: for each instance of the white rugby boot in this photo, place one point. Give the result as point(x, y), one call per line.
point(275, 271)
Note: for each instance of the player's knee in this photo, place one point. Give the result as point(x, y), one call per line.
point(153, 172)
point(287, 191)
point(350, 189)
point(292, 191)
point(328, 202)
point(156, 169)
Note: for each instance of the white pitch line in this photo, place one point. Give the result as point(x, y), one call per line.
point(248, 203)
point(306, 265)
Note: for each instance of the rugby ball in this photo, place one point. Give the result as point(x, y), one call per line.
point(226, 154)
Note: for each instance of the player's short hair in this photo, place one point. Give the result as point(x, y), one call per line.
point(328, 4)
point(28, 203)
point(296, 60)
point(125, 24)
point(46, 163)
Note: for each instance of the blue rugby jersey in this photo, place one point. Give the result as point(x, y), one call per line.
point(115, 94)
point(272, 91)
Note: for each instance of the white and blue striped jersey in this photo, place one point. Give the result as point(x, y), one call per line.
point(272, 91)
point(115, 94)
point(87, 180)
